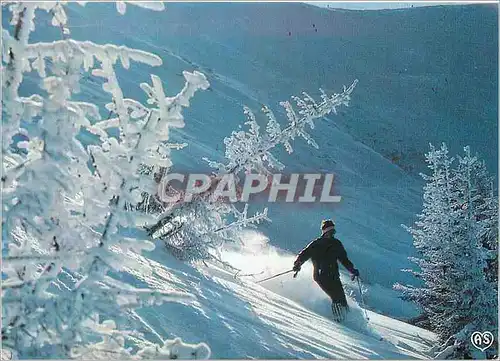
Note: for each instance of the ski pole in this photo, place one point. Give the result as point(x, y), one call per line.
point(279, 274)
point(362, 300)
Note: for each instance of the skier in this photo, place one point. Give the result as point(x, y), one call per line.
point(324, 253)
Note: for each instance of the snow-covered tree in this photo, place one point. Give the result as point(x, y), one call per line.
point(64, 205)
point(195, 230)
point(456, 237)
point(479, 190)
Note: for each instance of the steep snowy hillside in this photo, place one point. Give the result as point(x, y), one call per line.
point(285, 319)
point(414, 65)
point(415, 68)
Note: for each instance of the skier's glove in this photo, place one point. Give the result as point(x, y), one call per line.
point(354, 273)
point(296, 267)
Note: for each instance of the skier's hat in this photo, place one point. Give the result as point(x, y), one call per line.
point(327, 225)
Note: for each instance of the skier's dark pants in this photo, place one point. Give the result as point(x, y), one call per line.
point(332, 286)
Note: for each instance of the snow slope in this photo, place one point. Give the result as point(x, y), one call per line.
point(241, 319)
point(413, 66)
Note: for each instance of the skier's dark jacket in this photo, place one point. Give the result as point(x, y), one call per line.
point(324, 253)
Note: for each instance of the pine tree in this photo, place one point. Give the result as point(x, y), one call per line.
point(64, 204)
point(477, 211)
point(455, 237)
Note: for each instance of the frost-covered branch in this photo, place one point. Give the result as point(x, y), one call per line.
point(63, 203)
point(249, 151)
point(242, 219)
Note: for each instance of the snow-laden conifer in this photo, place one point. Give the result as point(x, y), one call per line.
point(64, 205)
